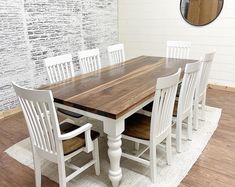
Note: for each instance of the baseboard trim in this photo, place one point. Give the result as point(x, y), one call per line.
point(7, 113)
point(220, 87)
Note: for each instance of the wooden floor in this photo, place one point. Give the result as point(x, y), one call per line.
point(215, 167)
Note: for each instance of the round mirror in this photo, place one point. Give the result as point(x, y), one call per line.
point(200, 12)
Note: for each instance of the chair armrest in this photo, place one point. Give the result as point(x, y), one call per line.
point(76, 132)
point(85, 128)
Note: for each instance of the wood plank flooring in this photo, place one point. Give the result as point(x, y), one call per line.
point(215, 167)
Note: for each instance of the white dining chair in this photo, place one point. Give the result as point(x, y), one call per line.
point(183, 108)
point(89, 60)
point(52, 141)
point(184, 105)
point(200, 97)
point(151, 131)
point(58, 69)
point(116, 54)
point(178, 49)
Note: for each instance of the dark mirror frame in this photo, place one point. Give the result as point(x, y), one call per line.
point(202, 24)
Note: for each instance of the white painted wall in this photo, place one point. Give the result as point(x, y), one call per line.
point(146, 25)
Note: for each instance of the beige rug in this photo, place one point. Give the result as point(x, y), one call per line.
point(134, 174)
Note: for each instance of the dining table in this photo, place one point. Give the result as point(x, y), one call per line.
point(112, 94)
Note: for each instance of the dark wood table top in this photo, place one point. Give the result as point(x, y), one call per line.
point(115, 90)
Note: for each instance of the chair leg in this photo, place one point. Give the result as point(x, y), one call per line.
point(204, 107)
point(195, 115)
point(190, 128)
point(102, 134)
point(62, 174)
point(37, 169)
point(137, 146)
point(168, 149)
point(153, 163)
point(178, 134)
point(95, 154)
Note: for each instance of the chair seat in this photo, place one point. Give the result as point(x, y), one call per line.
point(69, 113)
point(138, 126)
point(150, 106)
point(77, 142)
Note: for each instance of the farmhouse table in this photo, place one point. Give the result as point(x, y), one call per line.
point(112, 94)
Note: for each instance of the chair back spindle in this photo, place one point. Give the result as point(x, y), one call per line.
point(189, 84)
point(89, 60)
point(163, 104)
point(205, 72)
point(178, 49)
point(116, 54)
point(41, 117)
point(59, 68)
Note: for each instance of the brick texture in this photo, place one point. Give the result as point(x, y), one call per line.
point(33, 30)
point(15, 63)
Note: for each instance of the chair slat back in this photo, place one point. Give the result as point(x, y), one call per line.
point(59, 68)
point(116, 54)
point(178, 49)
point(206, 67)
point(41, 118)
point(89, 60)
point(188, 87)
point(163, 104)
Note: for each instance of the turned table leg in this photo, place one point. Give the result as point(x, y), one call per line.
point(113, 129)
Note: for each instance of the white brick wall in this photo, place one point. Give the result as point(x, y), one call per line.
point(15, 61)
point(33, 30)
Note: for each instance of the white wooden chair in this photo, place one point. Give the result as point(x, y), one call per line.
point(200, 97)
point(60, 68)
point(178, 49)
point(184, 105)
point(116, 54)
point(152, 131)
point(52, 141)
point(89, 60)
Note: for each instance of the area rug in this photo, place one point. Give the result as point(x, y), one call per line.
point(134, 174)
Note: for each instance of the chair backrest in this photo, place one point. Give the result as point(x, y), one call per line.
point(178, 49)
point(206, 67)
point(188, 87)
point(89, 60)
point(163, 104)
point(116, 54)
point(41, 118)
point(59, 68)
